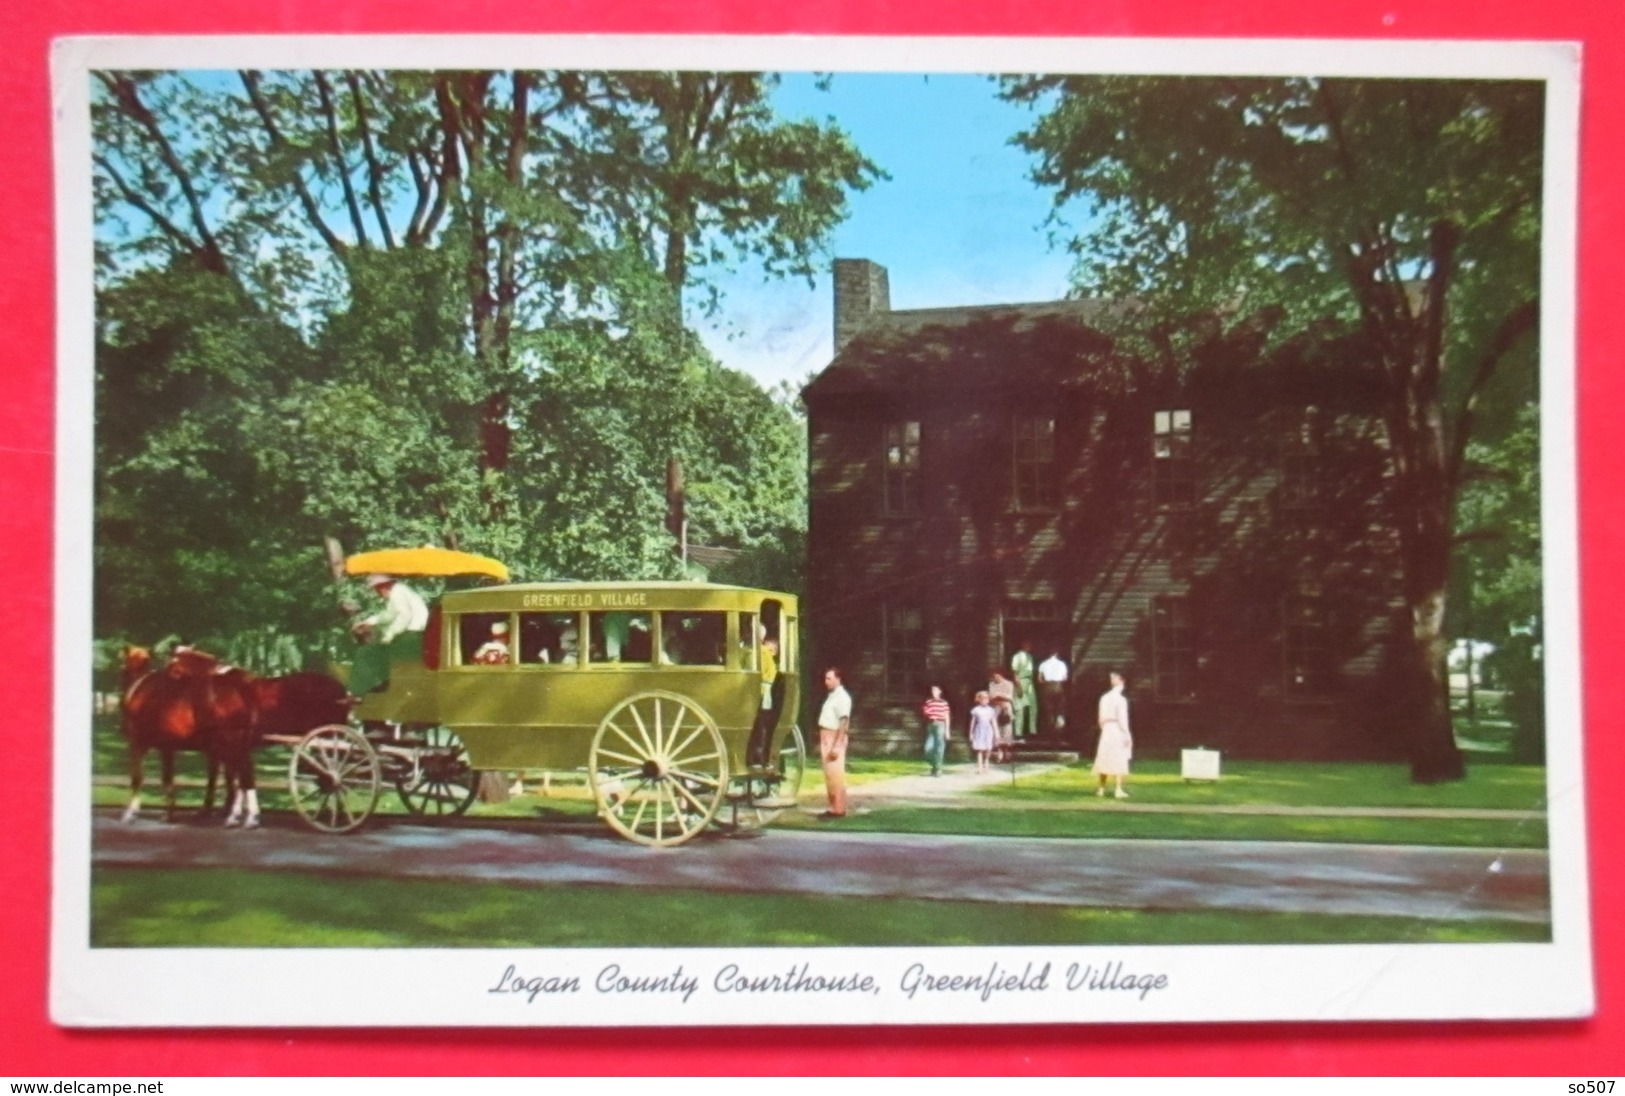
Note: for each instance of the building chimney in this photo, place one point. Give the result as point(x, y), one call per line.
point(861, 290)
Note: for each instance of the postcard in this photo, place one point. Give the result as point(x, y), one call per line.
point(595, 531)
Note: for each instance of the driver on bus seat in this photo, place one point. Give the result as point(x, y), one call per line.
point(395, 632)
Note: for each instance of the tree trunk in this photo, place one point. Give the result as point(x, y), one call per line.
point(1426, 537)
point(1435, 757)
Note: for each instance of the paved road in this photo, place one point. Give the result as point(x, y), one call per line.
point(1437, 883)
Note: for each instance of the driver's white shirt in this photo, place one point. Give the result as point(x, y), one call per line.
point(403, 611)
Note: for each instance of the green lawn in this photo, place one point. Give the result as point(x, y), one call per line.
point(152, 908)
point(1488, 731)
point(1297, 784)
point(1067, 794)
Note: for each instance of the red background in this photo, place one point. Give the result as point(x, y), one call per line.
point(31, 1045)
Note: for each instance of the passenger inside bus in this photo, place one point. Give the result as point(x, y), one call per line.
point(693, 639)
point(550, 639)
point(619, 637)
point(479, 641)
point(494, 651)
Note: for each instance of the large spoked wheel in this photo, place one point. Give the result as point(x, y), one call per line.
point(436, 778)
point(792, 767)
point(334, 777)
point(658, 769)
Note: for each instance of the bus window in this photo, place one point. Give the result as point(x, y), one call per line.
point(482, 639)
point(747, 641)
point(789, 651)
point(619, 638)
point(693, 639)
point(773, 624)
point(549, 639)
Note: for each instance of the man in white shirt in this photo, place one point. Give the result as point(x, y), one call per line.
point(834, 721)
point(395, 632)
point(403, 611)
point(1052, 678)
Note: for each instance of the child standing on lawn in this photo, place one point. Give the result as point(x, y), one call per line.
point(937, 715)
point(984, 730)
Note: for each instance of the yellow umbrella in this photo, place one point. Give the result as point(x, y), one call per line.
point(425, 562)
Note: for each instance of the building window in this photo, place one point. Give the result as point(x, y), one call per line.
point(1174, 474)
point(1035, 464)
point(903, 468)
point(905, 653)
point(1305, 657)
point(1301, 460)
point(1173, 648)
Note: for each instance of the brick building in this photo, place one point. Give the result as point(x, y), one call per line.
point(985, 476)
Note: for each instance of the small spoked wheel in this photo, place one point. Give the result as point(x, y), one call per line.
point(435, 777)
point(334, 777)
point(658, 768)
point(791, 766)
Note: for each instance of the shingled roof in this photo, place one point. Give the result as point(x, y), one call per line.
point(935, 349)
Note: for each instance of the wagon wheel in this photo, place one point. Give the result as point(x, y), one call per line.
point(437, 778)
point(658, 768)
point(334, 778)
point(792, 766)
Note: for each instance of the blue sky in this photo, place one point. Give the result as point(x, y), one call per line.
point(958, 222)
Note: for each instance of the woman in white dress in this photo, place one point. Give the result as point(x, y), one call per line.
point(1116, 743)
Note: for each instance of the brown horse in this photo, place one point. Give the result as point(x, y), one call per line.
point(288, 706)
point(223, 698)
point(199, 702)
point(297, 703)
point(184, 706)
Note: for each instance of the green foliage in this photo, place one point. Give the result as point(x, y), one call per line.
point(445, 308)
point(1498, 592)
point(1245, 195)
point(1402, 216)
point(1498, 515)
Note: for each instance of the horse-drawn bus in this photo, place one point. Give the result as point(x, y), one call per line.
point(652, 688)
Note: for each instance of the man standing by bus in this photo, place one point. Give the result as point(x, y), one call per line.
point(834, 722)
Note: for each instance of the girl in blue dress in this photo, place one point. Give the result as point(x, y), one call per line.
point(984, 731)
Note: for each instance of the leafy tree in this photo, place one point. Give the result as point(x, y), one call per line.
point(432, 307)
point(1405, 212)
point(1499, 592)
